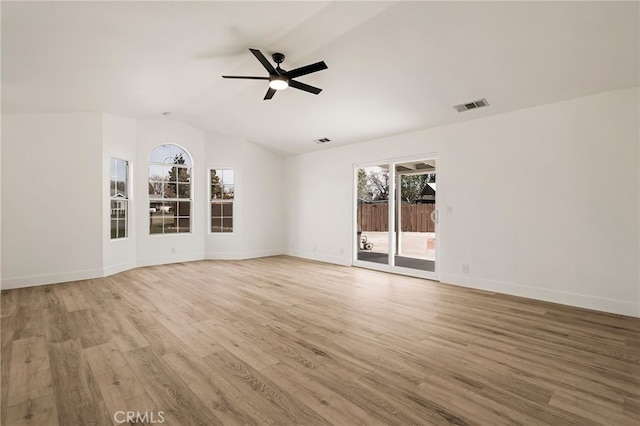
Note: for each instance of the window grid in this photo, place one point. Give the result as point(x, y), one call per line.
point(119, 194)
point(222, 198)
point(169, 190)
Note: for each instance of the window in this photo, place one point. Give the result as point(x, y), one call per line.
point(119, 189)
point(222, 196)
point(169, 190)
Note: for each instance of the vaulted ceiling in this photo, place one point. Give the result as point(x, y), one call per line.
point(394, 67)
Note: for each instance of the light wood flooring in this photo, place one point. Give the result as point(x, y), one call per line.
point(282, 341)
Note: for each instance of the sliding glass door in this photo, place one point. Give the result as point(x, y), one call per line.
point(372, 214)
point(396, 217)
point(416, 215)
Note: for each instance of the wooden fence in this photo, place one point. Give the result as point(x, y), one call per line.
point(374, 217)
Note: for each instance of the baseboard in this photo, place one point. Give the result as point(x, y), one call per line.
point(36, 280)
point(338, 260)
point(168, 259)
point(242, 255)
point(115, 269)
point(547, 295)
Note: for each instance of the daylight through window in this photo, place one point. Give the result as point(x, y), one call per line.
point(119, 193)
point(169, 190)
point(222, 197)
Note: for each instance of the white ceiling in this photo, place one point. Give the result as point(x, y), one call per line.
point(394, 67)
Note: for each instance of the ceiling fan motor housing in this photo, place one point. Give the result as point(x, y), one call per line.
point(278, 58)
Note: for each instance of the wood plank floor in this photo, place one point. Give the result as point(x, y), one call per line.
point(282, 341)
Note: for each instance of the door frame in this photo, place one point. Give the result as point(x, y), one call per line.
point(390, 266)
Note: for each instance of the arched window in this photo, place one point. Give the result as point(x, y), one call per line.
point(169, 190)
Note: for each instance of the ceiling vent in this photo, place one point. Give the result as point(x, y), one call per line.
point(471, 105)
point(323, 140)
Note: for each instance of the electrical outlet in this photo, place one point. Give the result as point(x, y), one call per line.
point(465, 268)
point(173, 250)
point(341, 250)
point(449, 209)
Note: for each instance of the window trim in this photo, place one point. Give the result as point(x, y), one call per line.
point(209, 202)
point(151, 199)
point(126, 199)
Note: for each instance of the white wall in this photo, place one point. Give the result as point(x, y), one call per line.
point(51, 198)
point(259, 200)
point(545, 200)
point(55, 197)
point(158, 248)
point(118, 141)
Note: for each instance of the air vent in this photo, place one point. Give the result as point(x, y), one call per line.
point(323, 140)
point(471, 105)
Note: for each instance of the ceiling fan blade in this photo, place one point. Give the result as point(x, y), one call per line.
point(305, 87)
point(245, 77)
point(269, 94)
point(264, 61)
point(318, 66)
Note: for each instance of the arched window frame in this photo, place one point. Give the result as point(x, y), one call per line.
point(170, 189)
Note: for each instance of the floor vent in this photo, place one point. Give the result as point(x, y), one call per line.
point(471, 105)
point(323, 140)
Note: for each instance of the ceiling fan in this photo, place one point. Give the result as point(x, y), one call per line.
point(280, 79)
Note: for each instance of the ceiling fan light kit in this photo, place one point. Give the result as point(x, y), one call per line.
point(278, 82)
point(280, 79)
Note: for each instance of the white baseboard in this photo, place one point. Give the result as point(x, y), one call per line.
point(168, 259)
point(115, 269)
point(338, 260)
point(242, 255)
point(545, 294)
point(36, 280)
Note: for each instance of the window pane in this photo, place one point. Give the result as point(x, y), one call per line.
point(227, 224)
point(184, 190)
point(169, 217)
point(122, 229)
point(156, 172)
point(160, 154)
point(179, 155)
point(112, 167)
point(121, 188)
point(215, 177)
point(156, 217)
point(112, 185)
point(216, 224)
point(169, 208)
point(183, 174)
point(122, 209)
point(227, 177)
point(170, 190)
point(228, 192)
point(184, 208)
point(184, 224)
point(122, 170)
point(216, 210)
point(227, 209)
point(216, 192)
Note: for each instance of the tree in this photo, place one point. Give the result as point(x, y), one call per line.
point(178, 186)
point(379, 181)
point(155, 185)
point(412, 187)
point(216, 186)
point(365, 194)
